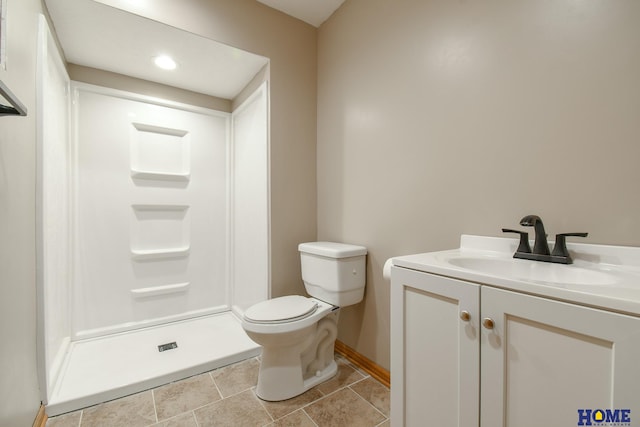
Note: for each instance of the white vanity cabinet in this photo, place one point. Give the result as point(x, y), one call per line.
point(464, 354)
point(435, 363)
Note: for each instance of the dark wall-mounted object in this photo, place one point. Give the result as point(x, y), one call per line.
point(16, 108)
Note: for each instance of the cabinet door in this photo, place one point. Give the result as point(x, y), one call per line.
point(545, 360)
point(434, 352)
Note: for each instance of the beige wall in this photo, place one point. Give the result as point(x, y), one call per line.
point(290, 45)
point(19, 394)
point(437, 118)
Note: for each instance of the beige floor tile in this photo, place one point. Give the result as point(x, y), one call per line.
point(346, 375)
point(375, 393)
point(235, 378)
point(185, 395)
point(282, 408)
point(183, 420)
point(71, 419)
point(196, 402)
point(343, 408)
point(295, 419)
point(131, 411)
point(243, 409)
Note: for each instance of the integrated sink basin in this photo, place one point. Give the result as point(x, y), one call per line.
point(532, 271)
point(601, 276)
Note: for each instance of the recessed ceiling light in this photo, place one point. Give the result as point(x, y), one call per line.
point(165, 62)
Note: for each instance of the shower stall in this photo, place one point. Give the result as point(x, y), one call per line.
point(153, 235)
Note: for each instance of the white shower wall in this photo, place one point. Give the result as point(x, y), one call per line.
point(53, 208)
point(152, 207)
point(250, 273)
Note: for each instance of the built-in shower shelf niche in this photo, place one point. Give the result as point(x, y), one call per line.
point(160, 154)
point(159, 231)
point(153, 291)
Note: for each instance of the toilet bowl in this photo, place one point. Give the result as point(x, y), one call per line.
point(298, 333)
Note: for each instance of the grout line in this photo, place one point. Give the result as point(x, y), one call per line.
point(356, 382)
point(80, 420)
point(382, 422)
point(295, 410)
point(324, 396)
point(309, 416)
point(193, 411)
point(301, 409)
point(264, 407)
point(216, 385)
point(227, 366)
point(174, 417)
point(369, 403)
point(344, 385)
point(155, 408)
point(306, 405)
point(206, 404)
point(235, 394)
point(210, 403)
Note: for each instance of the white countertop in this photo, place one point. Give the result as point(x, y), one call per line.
point(601, 276)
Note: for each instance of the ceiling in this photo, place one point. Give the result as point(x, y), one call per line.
point(107, 38)
point(313, 12)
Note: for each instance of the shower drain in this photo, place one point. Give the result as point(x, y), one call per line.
point(167, 346)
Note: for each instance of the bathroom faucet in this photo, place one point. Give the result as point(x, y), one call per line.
point(540, 245)
point(540, 251)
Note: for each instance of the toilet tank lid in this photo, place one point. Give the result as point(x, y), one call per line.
point(332, 250)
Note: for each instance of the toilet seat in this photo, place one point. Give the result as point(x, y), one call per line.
point(281, 310)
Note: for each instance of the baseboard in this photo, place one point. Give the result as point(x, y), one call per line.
point(41, 418)
point(367, 365)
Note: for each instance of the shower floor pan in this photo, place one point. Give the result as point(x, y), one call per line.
point(101, 369)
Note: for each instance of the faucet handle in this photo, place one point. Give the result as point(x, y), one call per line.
point(524, 240)
point(560, 248)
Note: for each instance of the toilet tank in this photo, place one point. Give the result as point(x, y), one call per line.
point(334, 272)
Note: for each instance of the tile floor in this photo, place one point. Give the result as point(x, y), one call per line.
point(226, 397)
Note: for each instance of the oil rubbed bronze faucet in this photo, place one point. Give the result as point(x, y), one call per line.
point(541, 251)
point(540, 245)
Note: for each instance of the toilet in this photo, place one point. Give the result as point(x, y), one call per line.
point(297, 333)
